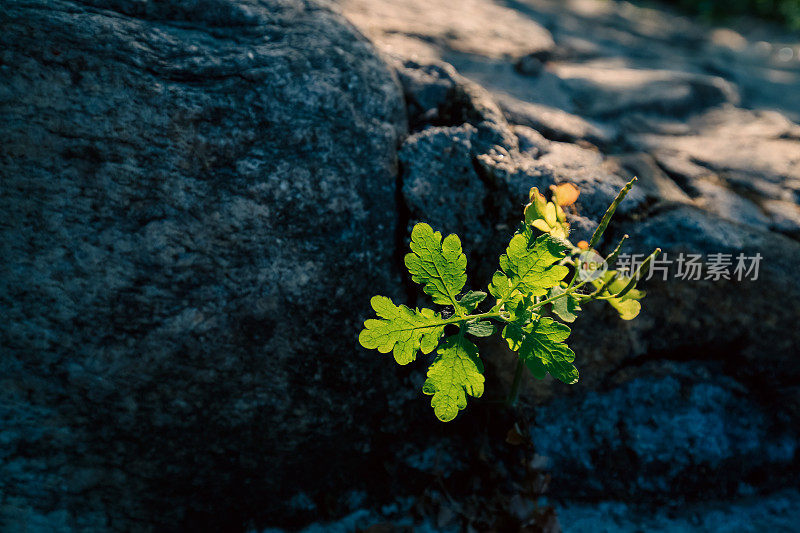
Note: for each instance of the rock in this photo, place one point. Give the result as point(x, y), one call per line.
point(672, 433)
point(607, 91)
point(439, 181)
point(785, 216)
point(750, 151)
point(656, 185)
point(716, 198)
point(554, 123)
point(748, 512)
point(197, 202)
point(715, 318)
point(417, 29)
point(531, 64)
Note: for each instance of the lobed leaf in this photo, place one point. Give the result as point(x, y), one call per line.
point(565, 307)
point(401, 330)
point(541, 345)
point(469, 302)
point(440, 266)
point(529, 267)
point(456, 372)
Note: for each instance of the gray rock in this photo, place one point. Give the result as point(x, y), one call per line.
point(187, 190)
point(652, 180)
point(440, 185)
point(785, 216)
point(751, 151)
point(607, 91)
point(418, 29)
point(749, 318)
point(748, 513)
point(554, 123)
point(662, 437)
point(530, 64)
point(717, 198)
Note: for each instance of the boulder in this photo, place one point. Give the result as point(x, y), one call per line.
point(198, 200)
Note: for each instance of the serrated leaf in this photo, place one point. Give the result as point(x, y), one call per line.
point(440, 266)
point(541, 345)
point(480, 328)
point(565, 307)
point(469, 302)
point(529, 267)
point(456, 372)
point(401, 330)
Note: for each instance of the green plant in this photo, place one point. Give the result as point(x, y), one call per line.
point(531, 282)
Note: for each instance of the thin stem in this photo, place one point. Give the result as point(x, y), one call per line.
point(562, 295)
point(514, 392)
point(462, 319)
point(576, 265)
point(598, 293)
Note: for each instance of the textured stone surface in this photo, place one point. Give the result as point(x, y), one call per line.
point(685, 434)
point(186, 191)
point(700, 392)
point(199, 197)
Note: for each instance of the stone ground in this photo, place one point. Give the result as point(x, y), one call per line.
point(684, 415)
point(176, 177)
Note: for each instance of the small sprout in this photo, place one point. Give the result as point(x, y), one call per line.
point(530, 284)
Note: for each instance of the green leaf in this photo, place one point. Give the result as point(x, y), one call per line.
point(402, 331)
point(565, 307)
point(529, 267)
point(469, 302)
point(438, 265)
point(455, 373)
point(480, 328)
point(541, 345)
point(627, 305)
point(628, 309)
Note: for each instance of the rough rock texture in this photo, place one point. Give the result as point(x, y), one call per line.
point(698, 398)
point(187, 188)
point(674, 432)
point(198, 197)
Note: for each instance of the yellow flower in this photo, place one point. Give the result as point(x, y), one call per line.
point(548, 217)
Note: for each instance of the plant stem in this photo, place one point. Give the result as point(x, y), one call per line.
point(462, 319)
point(562, 295)
point(514, 392)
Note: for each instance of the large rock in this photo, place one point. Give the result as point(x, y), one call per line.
point(197, 202)
point(655, 388)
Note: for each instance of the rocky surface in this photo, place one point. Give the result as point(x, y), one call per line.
point(187, 189)
point(198, 200)
point(697, 399)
